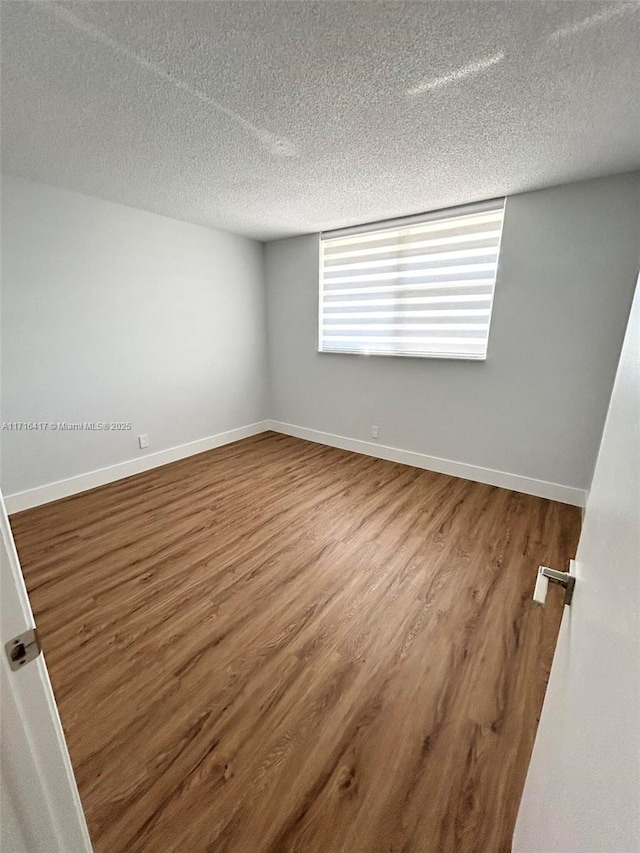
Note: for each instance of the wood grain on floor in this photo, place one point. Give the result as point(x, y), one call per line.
point(279, 646)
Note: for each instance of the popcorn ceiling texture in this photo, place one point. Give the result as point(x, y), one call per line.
point(278, 118)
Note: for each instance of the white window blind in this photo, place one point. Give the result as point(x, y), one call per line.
point(418, 287)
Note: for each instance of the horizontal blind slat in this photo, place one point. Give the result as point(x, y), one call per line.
point(368, 314)
point(491, 236)
point(415, 291)
point(460, 257)
point(444, 350)
point(433, 339)
point(426, 329)
point(409, 275)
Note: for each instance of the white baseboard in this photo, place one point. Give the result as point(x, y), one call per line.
point(83, 482)
point(514, 482)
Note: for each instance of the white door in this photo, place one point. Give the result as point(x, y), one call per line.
point(582, 793)
point(41, 810)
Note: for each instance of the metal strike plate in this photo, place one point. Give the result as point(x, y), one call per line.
point(22, 649)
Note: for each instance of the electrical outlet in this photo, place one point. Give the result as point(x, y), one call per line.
point(374, 432)
point(143, 441)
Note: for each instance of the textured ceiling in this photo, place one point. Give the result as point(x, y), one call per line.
point(277, 118)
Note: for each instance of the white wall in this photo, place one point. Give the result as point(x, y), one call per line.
point(536, 407)
point(115, 314)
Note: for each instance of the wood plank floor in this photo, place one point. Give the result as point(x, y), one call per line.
point(279, 646)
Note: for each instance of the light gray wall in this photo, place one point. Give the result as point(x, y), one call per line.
point(536, 407)
point(111, 313)
point(115, 314)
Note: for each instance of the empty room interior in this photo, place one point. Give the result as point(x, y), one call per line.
point(319, 447)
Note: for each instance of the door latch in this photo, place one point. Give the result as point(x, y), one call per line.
point(23, 648)
point(545, 575)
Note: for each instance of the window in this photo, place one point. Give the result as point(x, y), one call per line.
point(419, 287)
